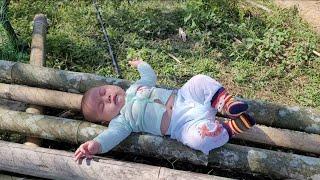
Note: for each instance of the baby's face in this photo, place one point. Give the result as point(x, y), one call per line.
point(103, 103)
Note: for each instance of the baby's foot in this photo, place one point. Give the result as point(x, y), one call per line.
point(227, 105)
point(239, 125)
point(233, 108)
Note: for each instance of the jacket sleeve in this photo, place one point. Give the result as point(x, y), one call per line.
point(147, 74)
point(117, 131)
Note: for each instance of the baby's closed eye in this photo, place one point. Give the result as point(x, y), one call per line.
point(102, 91)
point(101, 106)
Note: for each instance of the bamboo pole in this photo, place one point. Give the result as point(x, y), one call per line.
point(20, 73)
point(288, 117)
point(57, 164)
point(261, 134)
point(37, 55)
point(282, 138)
point(37, 58)
point(271, 163)
point(41, 97)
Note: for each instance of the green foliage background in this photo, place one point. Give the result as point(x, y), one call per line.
point(273, 62)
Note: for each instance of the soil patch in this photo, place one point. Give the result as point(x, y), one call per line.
point(309, 10)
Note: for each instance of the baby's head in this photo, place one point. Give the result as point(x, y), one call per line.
point(103, 103)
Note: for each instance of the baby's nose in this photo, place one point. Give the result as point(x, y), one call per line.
point(107, 98)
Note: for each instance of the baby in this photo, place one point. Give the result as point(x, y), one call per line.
point(187, 114)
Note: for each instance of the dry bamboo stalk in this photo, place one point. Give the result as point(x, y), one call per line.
point(295, 118)
point(57, 164)
point(286, 117)
point(271, 163)
point(42, 97)
point(283, 138)
point(37, 55)
point(316, 53)
point(37, 58)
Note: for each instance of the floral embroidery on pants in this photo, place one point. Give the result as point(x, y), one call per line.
point(204, 130)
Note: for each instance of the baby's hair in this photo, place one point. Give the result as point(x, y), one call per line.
point(83, 103)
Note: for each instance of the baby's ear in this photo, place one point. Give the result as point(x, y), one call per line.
point(105, 123)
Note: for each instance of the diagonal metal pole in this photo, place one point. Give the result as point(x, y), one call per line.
point(106, 37)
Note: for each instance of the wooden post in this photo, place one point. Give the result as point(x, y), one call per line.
point(295, 118)
point(37, 58)
point(57, 164)
point(242, 158)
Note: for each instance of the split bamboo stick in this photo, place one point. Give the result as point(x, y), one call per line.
point(295, 118)
point(256, 160)
point(57, 164)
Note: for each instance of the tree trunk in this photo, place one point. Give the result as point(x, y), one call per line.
point(57, 164)
point(295, 118)
point(271, 163)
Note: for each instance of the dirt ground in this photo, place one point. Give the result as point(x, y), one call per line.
point(309, 10)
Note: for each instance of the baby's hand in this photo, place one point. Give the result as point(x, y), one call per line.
point(135, 62)
point(87, 150)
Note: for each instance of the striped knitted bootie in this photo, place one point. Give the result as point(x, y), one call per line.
point(227, 105)
point(238, 125)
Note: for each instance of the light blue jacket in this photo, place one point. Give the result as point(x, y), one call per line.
point(141, 112)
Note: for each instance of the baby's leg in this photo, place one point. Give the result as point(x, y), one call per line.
point(204, 89)
point(203, 135)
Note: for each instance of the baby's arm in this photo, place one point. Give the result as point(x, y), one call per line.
point(147, 74)
point(117, 131)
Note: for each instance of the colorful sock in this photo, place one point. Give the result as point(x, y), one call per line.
point(227, 105)
point(238, 125)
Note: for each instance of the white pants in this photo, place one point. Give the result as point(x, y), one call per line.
point(193, 119)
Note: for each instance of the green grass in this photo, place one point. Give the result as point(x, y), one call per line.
point(274, 62)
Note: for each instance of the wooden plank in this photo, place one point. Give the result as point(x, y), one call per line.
point(57, 164)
